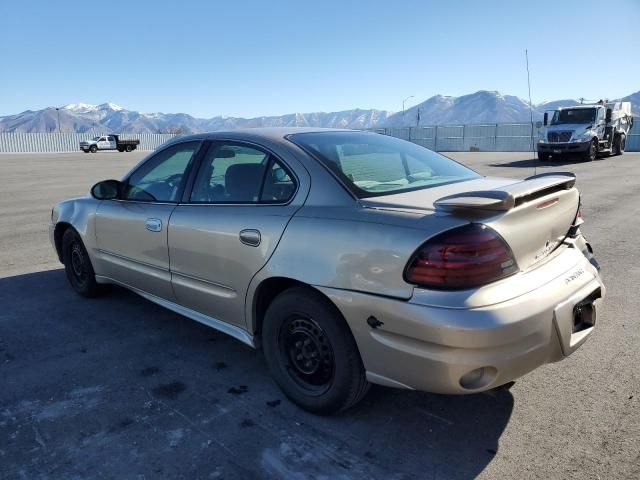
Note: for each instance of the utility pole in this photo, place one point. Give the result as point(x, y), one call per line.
point(58, 112)
point(410, 96)
point(418, 118)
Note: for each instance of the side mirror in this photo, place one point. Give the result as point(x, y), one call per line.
point(607, 117)
point(546, 119)
point(538, 124)
point(106, 190)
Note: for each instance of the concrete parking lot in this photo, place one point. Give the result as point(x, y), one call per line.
point(118, 387)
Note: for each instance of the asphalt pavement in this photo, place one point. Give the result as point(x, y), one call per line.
point(117, 387)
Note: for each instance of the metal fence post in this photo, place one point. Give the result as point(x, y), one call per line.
point(464, 130)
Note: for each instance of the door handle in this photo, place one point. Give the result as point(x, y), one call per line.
point(153, 224)
point(250, 237)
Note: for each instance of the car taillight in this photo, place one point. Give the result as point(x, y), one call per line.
point(463, 257)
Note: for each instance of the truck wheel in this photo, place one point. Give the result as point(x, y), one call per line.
point(120, 149)
point(591, 153)
point(93, 149)
point(619, 144)
point(543, 156)
point(311, 353)
point(128, 148)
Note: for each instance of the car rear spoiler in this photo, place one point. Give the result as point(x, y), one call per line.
point(510, 196)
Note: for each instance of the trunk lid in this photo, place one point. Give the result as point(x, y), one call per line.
point(532, 215)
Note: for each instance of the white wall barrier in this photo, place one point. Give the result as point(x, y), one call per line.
point(493, 137)
point(69, 142)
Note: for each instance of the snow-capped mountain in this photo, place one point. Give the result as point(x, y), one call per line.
point(109, 117)
point(480, 107)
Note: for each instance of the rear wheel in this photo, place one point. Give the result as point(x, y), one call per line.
point(93, 149)
point(591, 153)
point(619, 144)
point(543, 156)
point(77, 265)
point(311, 353)
point(128, 148)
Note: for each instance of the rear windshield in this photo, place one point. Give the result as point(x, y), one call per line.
point(370, 164)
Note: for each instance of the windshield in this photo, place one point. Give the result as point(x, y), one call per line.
point(96, 138)
point(578, 115)
point(370, 164)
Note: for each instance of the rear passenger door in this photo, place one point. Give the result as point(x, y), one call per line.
point(229, 225)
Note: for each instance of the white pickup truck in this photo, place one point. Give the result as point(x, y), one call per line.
point(586, 130)
point(108, 142)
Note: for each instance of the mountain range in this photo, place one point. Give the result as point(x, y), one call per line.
point(479, 107)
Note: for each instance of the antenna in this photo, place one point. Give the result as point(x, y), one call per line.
point(535, 165)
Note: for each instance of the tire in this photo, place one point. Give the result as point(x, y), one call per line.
point(93, 149)
point(128, 148)
point(619, 144)
point(120, 149)
point(592, 152)
point(311, 353)
point(543, 156)
point(77, 265)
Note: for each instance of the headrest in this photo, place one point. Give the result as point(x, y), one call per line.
point(242, 181)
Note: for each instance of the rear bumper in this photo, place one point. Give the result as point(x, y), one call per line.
point(556, 148)
point(434, 349)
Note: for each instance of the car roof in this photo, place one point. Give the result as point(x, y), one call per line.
point(277, 134)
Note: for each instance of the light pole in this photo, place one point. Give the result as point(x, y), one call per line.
point(58, 112)
point(410, 96)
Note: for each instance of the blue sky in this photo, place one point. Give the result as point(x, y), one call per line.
point(270, 57)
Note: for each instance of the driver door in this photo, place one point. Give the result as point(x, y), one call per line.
point(103, 144)
point(131, 232)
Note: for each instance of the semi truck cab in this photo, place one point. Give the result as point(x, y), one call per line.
point(585, 130)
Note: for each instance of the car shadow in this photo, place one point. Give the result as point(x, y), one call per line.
point(530, 163)
point(119, 385)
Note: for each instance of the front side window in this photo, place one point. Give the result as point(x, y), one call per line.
point(370, 164)
point(159, 178)
point(234, 173)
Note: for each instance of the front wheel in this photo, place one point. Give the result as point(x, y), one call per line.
point(77, 265)
point(311, 353)
point(93, 149)
point(591, 153)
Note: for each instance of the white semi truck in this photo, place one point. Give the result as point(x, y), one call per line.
point(587, 130)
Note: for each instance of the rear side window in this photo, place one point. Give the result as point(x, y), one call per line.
point(232, 173)
point(370, 164)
